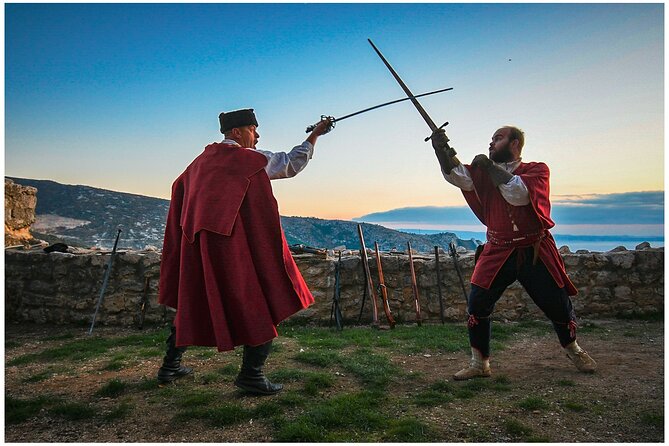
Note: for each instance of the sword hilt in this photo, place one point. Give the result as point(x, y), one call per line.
point(331, 119)
point(440, 127)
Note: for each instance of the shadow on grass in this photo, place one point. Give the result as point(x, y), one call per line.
point(87, 348)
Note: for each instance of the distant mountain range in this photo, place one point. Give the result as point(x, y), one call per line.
point(87, 216)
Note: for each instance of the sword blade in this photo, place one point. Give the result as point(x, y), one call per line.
point(392, 102)
point(410, 95)
point(333, 120)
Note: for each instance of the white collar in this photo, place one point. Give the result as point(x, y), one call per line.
point(231, 142)
point(510, 166)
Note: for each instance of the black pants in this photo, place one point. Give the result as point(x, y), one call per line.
point(540, 286)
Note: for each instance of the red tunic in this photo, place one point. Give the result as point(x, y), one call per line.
point(226, 266)
point(532, 221)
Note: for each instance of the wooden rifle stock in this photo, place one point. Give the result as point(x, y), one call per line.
point(144, 303)
point(336, 308)
point(441, 300)
point(414, 286)
point(454, 253)
point(370, 284)
point(382, 286)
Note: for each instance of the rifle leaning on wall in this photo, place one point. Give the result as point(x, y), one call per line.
point(336, 309)
point(369, 283)
point(144, 303)
point(414, 286)
point(454, 253)
point(441, 300)
point(382, 287)
point(105, 281)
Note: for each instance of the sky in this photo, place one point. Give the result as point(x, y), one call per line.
point(629, 213)
point(125, 96)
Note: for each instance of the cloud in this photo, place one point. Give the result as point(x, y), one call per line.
point(426, 215)
point(622, 208)
point(605, 209)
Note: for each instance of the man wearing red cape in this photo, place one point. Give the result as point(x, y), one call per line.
point(511, 198)
point(226, 267)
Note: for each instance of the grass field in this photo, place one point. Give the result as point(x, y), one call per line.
point(357, 385)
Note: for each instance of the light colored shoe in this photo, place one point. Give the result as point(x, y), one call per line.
point(472, 372)
point(582, 361)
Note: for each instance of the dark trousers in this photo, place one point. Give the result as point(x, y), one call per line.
point(540, 286)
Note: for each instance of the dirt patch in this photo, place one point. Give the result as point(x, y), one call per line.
point(629, 381)
point(622, 402)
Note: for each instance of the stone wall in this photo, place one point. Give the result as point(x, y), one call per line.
point(20, 202)
point(64, 287)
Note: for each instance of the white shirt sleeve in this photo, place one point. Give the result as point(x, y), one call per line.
point(515, 192)
point(287, 165)
point(459, 177)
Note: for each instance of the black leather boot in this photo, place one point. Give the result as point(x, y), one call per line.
point(251, 377)
point(172, 368)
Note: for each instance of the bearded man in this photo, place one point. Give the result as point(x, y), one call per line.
point(511, 198)
point(226, 267)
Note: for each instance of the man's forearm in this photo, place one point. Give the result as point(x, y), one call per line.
point(498, 175)
point(287, 165)
point(445, 153)
point(447, 159)
point(459, 177)
point(515, 192)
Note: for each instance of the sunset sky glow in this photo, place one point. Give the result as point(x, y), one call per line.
point(124, 96)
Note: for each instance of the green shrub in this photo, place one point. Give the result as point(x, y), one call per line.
point(533, 403)
point(112, 389)
point(73, 411)
point(19, 410)
point(515, 427)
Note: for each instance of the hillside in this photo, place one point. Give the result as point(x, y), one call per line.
point(332, 233)
point(88, 216)
point(92, 215)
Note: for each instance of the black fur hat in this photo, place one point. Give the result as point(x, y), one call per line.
point(237, 118)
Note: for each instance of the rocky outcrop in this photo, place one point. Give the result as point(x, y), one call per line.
point(20, 202)
point(64, 287)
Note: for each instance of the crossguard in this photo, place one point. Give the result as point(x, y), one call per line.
point(331, 119)
point(440, 127)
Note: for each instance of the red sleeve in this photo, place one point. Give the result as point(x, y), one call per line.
point(536, 177)
point(170, 263)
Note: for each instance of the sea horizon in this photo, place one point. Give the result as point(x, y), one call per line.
point(596, 243)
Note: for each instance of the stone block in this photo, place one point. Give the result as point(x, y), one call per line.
point(623, 260)
point(130, 258)
point(571, 260)
point(63, 289)
point(42, 286)
point(622, 293)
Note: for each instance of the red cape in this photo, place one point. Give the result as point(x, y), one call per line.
point(493, 211)
point(226, 266)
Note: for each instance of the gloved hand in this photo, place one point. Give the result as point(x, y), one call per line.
point(497, 174)
point(440, 141)
point(482, 161)
point(445, 153)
